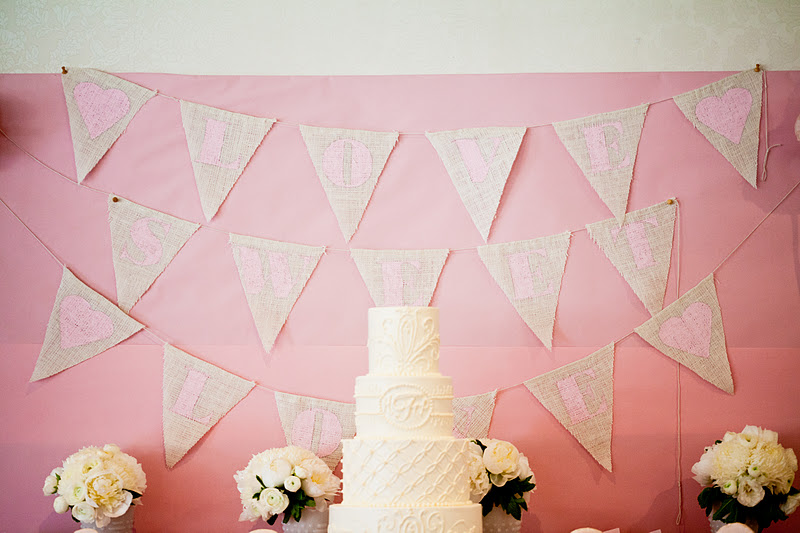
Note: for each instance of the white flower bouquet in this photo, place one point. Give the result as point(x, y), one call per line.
point(748, 478)
point(500, 476)
point(284, 480)
point(96, 484)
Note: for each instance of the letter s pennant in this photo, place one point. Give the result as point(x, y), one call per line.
point(143, 243)
point(581, 397)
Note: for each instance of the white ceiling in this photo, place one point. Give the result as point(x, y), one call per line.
point(398, 36)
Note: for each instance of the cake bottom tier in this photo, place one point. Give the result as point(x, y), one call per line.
point(443, 519)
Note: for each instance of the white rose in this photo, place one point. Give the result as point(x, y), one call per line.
point(750, 492)
point(729, 487)
point(72, 491)
point(292, 483)
point(60, 505)
point(50, 485)
point(501, 457)
point(83, 512)
point(276, 501)
point(791, 503)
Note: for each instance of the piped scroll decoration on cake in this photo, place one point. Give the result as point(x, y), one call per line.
point(407, 344)
point(82, 324)
point(690, 331)
point(728, 114)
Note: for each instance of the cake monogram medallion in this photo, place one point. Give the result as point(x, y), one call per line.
point(406, 406)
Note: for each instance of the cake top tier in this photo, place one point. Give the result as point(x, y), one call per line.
point(403, 341)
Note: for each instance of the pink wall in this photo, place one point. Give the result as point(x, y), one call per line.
point(198, 305)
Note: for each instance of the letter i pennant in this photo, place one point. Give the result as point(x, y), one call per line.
point(530, 272)
point(581, 397)
point(82, 324)
point(220, 143)
point(604, 147)
point(478, 161)
point(196, 395)
point(143, 243)
point(273, 275)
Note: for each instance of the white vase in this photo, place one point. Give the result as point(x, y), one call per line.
point(120, 524)
point(310, 522)
point(498, 521)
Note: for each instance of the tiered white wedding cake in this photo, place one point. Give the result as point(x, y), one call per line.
point(404, 472)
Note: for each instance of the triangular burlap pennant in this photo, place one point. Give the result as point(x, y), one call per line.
point(604, 147)
point(100, 107)
point(273, 275)
point(348, 163)
point(143, 243)
point(689, 330)
point(196, 395)
point(728, 114)
point(478, 161)
point(82, 324)
point(400, 277)
point(473, 415)
point(581, 397)
point(317, 425)
point(221, 144)
point(530, 272)
point(641, 249)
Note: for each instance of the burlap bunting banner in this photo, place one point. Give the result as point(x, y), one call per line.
point(641, 250)
point(581, 397)
point(728, 114)
point(143, 243)
point(317, 425)
point(400, 277)
point(604, 146)
point(348, 164)
point(100, 107)
point(530, 272)
point(478, 161)
point(196, 395)
point(273, 274)
point(473, 415)
point(221, 144)
point(689, 330)
point(82, 324)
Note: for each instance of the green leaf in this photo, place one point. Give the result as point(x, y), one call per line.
point(271, 519)
point(259, 480)
point(134, 493)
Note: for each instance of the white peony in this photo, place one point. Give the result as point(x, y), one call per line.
point(750, 492)
point(60, 505)
point(791, 503)
point(500, 457)
point(702, 469)
point(275, 471)
point(50, 485)
point(292, 483)
point(319, 482)
point(275, 501)
point(83, 512)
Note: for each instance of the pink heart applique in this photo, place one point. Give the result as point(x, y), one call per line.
point(690, 332)
point(80, 324)
point(100, 108)
point(726, 115)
